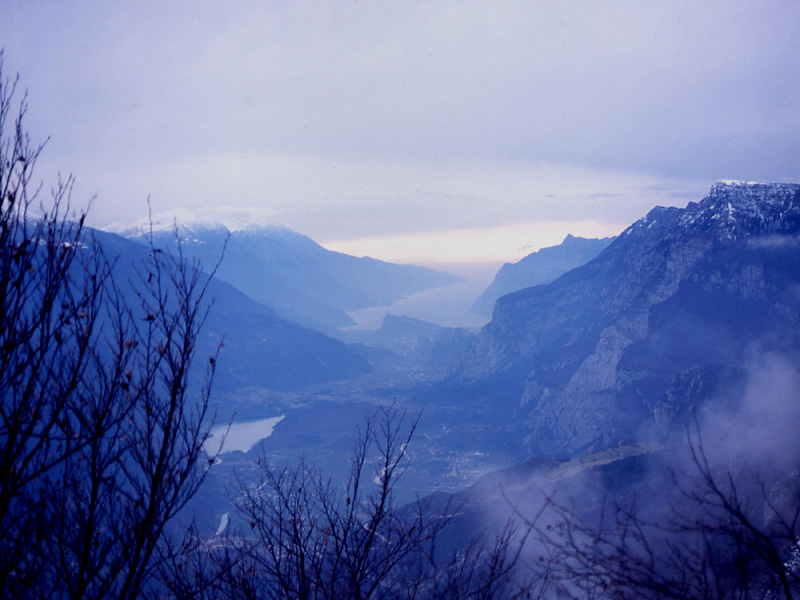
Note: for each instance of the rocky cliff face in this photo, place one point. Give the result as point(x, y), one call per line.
point(665, 317)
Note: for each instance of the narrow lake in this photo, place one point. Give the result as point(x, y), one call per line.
point(240, 437)
point(447, 305)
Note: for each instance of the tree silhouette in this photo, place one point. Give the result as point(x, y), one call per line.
point(303, 536)
point(100, 439)
point(713, 530)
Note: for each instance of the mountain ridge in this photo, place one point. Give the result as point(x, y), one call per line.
point(262, 348)
point(292, 273)
point(661, 318)
point(538, 268)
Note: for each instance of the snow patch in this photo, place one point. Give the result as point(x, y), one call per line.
point(739, 182)
point(223, 524)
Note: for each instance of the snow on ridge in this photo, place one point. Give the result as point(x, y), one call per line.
point(730, 204)
point(759, 185)
point(739, 182)
point(740, 209)
point(232, 218)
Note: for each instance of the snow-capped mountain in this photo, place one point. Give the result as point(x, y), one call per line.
point(197, 220)
point(284, 269)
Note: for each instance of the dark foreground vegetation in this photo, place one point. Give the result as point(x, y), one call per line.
point(100, 442)
point(700, 527)
point(104, 413)
point(102, 428)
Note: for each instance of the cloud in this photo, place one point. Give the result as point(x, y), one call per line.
point(485, 244)
point(775, 242)
point(341, 109)
point(761, 429)
point(336, 200)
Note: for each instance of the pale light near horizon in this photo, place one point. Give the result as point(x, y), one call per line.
point(392, 124)
point(505, 243)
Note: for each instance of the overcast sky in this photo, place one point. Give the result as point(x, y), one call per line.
point(425, 131)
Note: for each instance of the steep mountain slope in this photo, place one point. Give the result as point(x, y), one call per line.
point(290, 272)
point(666, 316)
point(261, 348)
point(538, 268)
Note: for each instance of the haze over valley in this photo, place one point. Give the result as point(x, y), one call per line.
point(400, 301)
point(626, 326)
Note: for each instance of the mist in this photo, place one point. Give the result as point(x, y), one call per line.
point(382, 122)
point(444, 300)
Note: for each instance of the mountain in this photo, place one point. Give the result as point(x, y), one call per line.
point(538, 268)
point(261, 349)
point(289, 271)
point(667, 317)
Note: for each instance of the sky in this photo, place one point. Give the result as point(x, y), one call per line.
point(429, 132)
